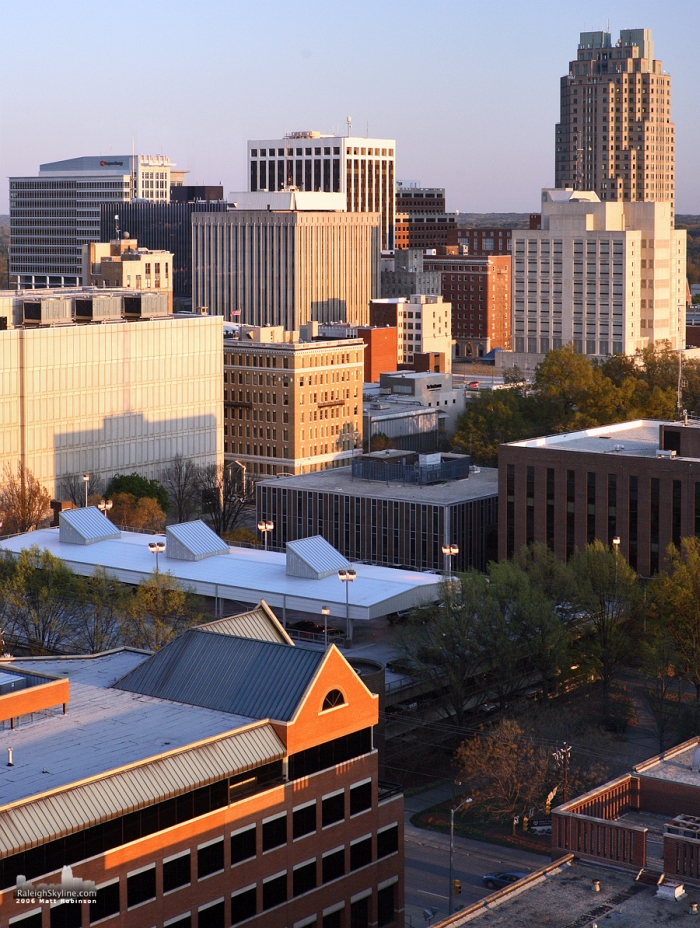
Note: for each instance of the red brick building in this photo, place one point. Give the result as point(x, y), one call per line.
point(381, 351)
point(479, 290)
point(484, 243)
point(228, 778)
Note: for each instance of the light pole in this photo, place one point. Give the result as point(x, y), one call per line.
point(156, 547)
point(452, 844)
point(265, 527)
point(325, 612)
point(347, 575)
point(449, 551)
point(243, 468)
point(104, 506)
point(86, 480)
point(616, 549)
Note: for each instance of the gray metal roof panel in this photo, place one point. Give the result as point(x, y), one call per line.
point(257, 679)
point(196, 538)
point(259, 624)
point(86, 526)
point(321, 556)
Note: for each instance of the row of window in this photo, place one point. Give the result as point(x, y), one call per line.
point(603, 247)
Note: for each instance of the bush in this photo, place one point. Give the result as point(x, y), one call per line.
point(138, 487)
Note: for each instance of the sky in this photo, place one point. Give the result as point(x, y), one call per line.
point(468, 89)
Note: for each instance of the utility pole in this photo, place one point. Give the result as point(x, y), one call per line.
point(566, 752)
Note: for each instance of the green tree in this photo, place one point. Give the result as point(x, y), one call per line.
point(100, 613)
point(491, 418)
point(158, 611)
point(657, 662)
point(138, 487)
point(676, 595)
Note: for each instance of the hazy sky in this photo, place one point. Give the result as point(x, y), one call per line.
point(469, 89)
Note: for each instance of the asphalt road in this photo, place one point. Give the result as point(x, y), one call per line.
point(427, 870)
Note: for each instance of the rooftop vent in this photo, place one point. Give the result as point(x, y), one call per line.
point(193, 541)
point(662, 453)
point(85, 526)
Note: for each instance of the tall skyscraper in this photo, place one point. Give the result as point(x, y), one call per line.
point(362, 169)
point(53, 214)
point(615, 134)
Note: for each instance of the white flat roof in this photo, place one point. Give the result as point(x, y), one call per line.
point(639, 438)
point(243, 575)
point(103, 729)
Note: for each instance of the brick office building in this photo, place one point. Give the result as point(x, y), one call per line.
point(195, 792)
point(639, 481)
point(421, 220)
point(480, 293)
point(485, 243)
point(381, 350)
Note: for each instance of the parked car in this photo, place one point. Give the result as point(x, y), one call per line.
point(401, 665)
point(499, 880)
point(473, 385)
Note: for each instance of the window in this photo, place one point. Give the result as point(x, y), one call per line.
point(332, 920)
point(243, 905)
point(243, 845)
point(66, 915)
point(570, 512)
point(333, 809)
point(141, 886)
point(333, 698)
point(275, 832)
point(633, 518)
point(333, 865)
point(360, 797)
point(654, 517)
point(176, 872)
point(212, 916)
point(510, 511)
point(304, 820)
point(322, 756)
point(386, 905)
point(28, 921)
point(181, 921)
point(107, 902)
point(304, 878)
point(676, 514)
point(275, 891)
point(530, 507)
point(210, 858)
point(361, 853)
point(359, 913)
point(387, 841)
point(550, 508)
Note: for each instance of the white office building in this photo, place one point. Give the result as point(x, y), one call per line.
point(608, 276)
point(423, 324)
point(55, 213)
point(361, 169)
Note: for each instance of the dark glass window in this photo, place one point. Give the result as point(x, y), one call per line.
point(359, 913)
point(253, 175)
point(317, 174)
point(654, 515)
point(570, 513)
point(66, 915)
point(184, 922)
point(243, 845)
point(510, 511)
point(590, 509)
point(612, 507)
point(334, 920)
point(213, 916)
point(274, 833)
point(271, 176)
point(333, 809)
point(243, 905)
point(388, 841)
point(263, 175)
point(361, 798)
point(550, 508)
point(304, 878)
point(32, 921)
point(141, 887)
point(361, 853)
point(176, 872)
point(275, 892)
point(336, 175)
point(676, 514)
point(322, 756)
point(327, 175)
point(386, 905)
point(333, 865)
point(634, 521)
point(107, 903)
point(334, 697)
point(530, 507)
point(304, 821)
point(210, 859)
point(308, 185)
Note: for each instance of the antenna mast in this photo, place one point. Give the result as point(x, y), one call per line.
point(349, 121)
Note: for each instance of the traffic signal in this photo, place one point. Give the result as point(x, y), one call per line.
point(456, 888)
point(526, 822)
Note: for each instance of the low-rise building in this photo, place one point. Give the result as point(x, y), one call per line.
point(292, 401)
point(120, 263)
point(423, 323)
point(381, 350)
point(391, 508)
point(187, 802)
point(637, 481)
point(426, 388)
point(404, 274)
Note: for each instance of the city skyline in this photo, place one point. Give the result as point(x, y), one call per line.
point(464, 100)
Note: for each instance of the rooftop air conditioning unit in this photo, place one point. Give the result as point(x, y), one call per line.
point(661, 453)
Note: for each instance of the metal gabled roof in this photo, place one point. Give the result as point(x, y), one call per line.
point(85, 526)
point(69, 809)
point(257, 679)
point(313, 558)
point(259, 624)
point(192, 541)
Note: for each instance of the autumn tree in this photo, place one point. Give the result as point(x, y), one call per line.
point(181, 479)
point(139, 487)
point(225, 495)
point(159, 610)
point(143, 514)
point(24, 502)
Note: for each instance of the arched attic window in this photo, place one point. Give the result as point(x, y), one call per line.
point(333, 698)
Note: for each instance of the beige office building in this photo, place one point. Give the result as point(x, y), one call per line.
point(609, 277)
point(286, 267)
point(362, 169)
point(122, 264)
point(292, 404)
point(423, 323)
point(104, 399)
point(615, 134)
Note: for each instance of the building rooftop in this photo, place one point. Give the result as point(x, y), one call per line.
point(243, 575)
point(560, 896)
point(639, 438)
point(340, 480)
point(674, 765)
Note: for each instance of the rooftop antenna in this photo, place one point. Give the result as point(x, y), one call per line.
point(133, 171)
point(349, 120)
point(116, 226)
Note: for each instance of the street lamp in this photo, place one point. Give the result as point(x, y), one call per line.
point(452, 843)
point(156, 547)
point(86, 480)
point(104, 506)
point(265, 527)
point(347, 575)
point(616, 549)
point(243, 468)
point(325, 612)
point(449, 551)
